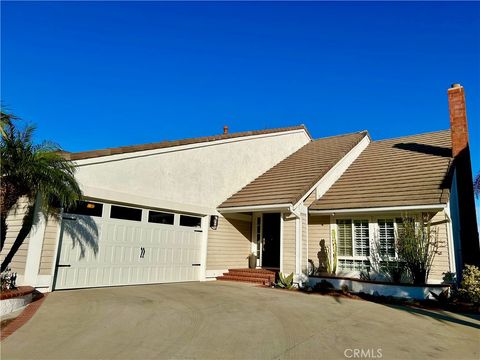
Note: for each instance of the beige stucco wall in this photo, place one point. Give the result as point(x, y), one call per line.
point(14, 223)
point(289, 244)
point(47, 260)
point(229, 246)
point(202, 176)
point(318, 230)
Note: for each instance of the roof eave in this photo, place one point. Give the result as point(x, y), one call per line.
point(254, 208)
point(377, 209)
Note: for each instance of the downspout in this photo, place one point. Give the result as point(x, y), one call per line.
point(298, 238)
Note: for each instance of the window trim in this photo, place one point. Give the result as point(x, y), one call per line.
point(373, 228)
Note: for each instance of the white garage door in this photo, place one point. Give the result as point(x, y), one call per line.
point(107, 245)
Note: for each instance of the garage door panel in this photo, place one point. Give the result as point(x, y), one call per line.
point(112, 253)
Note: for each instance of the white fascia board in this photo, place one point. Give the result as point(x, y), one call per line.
point(259, 208)
point(125, 198)
point(377, 209)
point(337, 170)
point(143, 153)
point(237, 216)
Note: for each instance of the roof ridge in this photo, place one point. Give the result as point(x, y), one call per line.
point(346, 134)
point(171, 143)
point(411, 135)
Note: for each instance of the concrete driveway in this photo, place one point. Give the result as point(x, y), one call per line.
point(222, 320)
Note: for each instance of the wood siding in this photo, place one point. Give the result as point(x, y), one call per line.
point(441, 262)
point(289, 244)
point(318, 230)
point(47, 260)
point(304, 259)
point(14, 223)
point(229, 245)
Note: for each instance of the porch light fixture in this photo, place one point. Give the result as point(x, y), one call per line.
point(214, 222)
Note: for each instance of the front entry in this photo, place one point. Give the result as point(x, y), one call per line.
point(271, 240)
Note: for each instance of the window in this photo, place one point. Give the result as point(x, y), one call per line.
point(386, 234)
point(354, 265)
point(353, 245)
point(259, 236)
point(86, 208)
point(191, 221)
point(344, 237)
point(125, 213)
point(361, 239)
point(160, 217)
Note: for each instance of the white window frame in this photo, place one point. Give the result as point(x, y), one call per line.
point(373, 228)
point(353, 257)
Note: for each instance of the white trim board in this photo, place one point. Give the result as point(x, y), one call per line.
point(142, 153)
point(279, 207)
point(112, 196)
point(377, 209)
point(327, 180)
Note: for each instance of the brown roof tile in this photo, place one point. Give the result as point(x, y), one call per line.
point(411, 170)
point(167, 144)
point(289, 180)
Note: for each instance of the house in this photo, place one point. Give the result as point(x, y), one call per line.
point(190, 210)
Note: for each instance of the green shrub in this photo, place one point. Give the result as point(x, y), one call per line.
point(284, 282)
point(469, 290)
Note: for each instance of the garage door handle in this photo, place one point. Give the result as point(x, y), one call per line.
point(196, 264)
point(60, 265)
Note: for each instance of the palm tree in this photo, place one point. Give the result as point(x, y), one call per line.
point(37, 172)
point(476, 185)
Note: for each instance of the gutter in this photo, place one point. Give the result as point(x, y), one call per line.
point(273, 207)
point(377, 209)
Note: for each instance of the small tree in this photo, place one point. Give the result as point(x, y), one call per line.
point(417, 245)
point(37, 172)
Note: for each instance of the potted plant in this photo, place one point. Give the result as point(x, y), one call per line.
point(252, 261)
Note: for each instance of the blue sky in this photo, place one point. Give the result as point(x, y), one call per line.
point(102, 74)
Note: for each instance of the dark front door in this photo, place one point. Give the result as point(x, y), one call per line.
point(271, 240)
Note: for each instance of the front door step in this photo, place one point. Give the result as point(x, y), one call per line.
point(257, 276)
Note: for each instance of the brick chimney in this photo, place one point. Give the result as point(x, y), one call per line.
point(225, 129)
point(467, 221)
point(458, 119)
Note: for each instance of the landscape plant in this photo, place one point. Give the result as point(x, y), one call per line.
point(417, 245)
point(35, 172)
point(284, 282)
point(469, 290)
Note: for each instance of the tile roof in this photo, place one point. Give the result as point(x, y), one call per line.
point(411, 170)
point(167, 144)
point(289, 180)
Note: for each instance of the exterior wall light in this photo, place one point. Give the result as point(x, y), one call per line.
point(214, 222)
